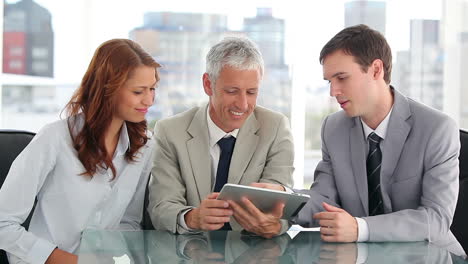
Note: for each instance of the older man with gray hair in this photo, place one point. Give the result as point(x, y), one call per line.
point(229, 140)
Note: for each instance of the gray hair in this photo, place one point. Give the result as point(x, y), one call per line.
point(237, 52)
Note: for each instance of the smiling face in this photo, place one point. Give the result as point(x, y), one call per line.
point(136, 95)
point(356, 91)
point(233, 96)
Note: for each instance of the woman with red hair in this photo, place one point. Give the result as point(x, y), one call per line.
point(88, 171)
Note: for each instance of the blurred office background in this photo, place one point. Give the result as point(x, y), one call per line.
point(48, 44)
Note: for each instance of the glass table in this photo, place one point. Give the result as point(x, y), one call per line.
point(150, 246)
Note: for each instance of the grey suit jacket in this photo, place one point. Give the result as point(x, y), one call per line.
point(419, 173)
point(181, 176)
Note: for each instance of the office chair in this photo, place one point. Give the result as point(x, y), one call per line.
point(459, 226)
point(12, 142)
point(146, 222)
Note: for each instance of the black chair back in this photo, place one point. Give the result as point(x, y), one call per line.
point(12, 142)
point(146, 222)
point(459, 226)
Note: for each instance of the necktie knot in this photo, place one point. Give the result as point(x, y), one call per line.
point(226, 144)
point(374, 140)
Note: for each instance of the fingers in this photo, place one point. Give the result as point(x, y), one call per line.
point(331, 208)
point(270, 186)
point(212, 195)
point(337, 226)
point(218, 212)
point(249, 210)
point(215, 220)
point(325, 216)
point(238, 210)
point(250, 207)
point(278, 210)
point(209, 222)
point(213, 203)
point(243, 216)
point(255, 221)
point(259, 185)
point(329, 223)
point(213, 213)
point(327, 230)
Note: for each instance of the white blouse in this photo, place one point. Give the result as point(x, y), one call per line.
point(68, 203)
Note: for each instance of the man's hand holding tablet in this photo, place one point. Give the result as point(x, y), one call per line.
point(259, 208)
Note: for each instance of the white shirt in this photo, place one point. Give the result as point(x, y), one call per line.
point(381, 131)
point(68, 203)
point(214, 135)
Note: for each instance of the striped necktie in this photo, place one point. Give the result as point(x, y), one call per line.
point(374, 161)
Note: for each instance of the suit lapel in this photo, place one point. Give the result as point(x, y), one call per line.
point(397, 133)
point(199, 153)
point(358, 151)
point(246, 144)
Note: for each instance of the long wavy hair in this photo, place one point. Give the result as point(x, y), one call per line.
point(111, 65)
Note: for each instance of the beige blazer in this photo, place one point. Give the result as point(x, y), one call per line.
point(181, 176)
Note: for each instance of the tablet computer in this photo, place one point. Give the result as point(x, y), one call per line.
point(265, 199)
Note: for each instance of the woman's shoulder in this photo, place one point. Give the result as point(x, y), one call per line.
point(56, 129)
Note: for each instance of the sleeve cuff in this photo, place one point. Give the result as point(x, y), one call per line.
point(287, 189)
point(285, 225)
point(40, 251)
point(182, 227)
point(363, 230)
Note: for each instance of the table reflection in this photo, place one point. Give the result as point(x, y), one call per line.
point(238, 247)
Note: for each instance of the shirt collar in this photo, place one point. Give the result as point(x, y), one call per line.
point(216, 133)
point(124, 141)
point(381, 129)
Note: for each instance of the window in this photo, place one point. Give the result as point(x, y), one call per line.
point(39, 53)
point(15, 64)
point(430, 51)
point(16, 51)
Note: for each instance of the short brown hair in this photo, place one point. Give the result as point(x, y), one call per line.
point(364, 44)
point(111, 65)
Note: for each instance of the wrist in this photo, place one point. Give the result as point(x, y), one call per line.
point(190, 219)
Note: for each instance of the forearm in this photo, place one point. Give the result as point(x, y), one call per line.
point(404, 225)
point(164, 215)
point(24, 245)
point(61, 257)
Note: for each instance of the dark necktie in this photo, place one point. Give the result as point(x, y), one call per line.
point(226, 145)
point(374, 160)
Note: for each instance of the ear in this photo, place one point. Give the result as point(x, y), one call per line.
point(377, 69)
point(207, 84)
